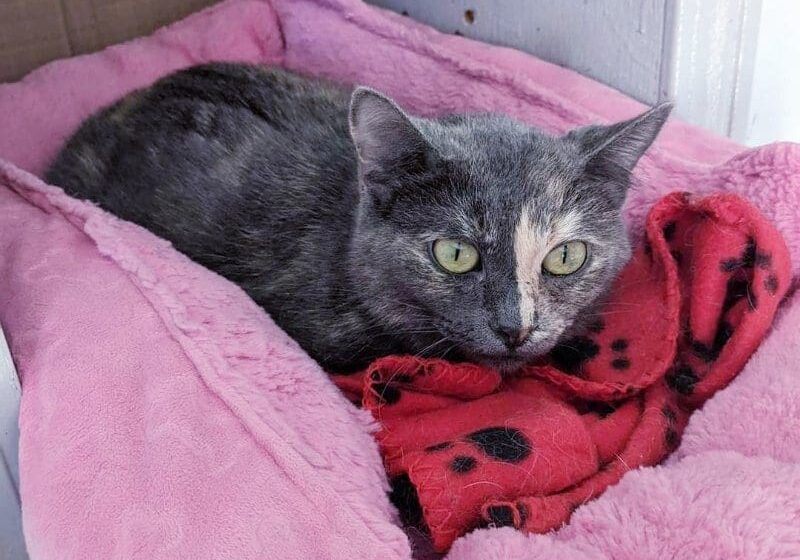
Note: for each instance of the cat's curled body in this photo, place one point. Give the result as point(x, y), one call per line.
point(323, 206)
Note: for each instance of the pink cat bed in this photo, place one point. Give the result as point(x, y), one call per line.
point(164, 415)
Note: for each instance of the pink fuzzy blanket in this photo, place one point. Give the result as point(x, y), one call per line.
point(164, 415)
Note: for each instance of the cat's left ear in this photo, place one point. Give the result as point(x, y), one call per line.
point(386, 140)
point(611, 152)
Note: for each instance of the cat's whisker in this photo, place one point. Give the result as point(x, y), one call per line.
point(430, 347)
point(447, 351)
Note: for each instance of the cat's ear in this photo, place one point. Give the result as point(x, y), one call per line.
point(611, 152)
point(386, 140)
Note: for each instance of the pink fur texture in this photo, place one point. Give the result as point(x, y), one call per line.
point(164, 415)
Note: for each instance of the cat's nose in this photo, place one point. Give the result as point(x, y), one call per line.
point(513, 336)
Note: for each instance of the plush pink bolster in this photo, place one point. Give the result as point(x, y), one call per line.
point(164, 415)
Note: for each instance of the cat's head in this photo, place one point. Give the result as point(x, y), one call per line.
point(482, 237)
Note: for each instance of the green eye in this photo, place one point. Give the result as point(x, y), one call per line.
point(565, 259)
point(455, 256)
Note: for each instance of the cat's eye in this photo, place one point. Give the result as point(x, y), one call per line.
point(565, 259)
point(456, 256)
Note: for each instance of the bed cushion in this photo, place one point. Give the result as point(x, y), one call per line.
point(164, 415)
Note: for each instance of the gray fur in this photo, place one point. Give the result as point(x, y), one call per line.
point(253, 173)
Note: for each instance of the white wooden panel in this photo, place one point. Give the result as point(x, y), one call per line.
point(710, 55)
point(12, 546)
point(774, 112)
point(618, 42)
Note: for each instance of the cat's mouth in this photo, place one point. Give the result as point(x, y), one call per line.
point(511, 361)
point(504, 362)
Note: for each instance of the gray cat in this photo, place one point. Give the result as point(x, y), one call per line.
point(362, 230)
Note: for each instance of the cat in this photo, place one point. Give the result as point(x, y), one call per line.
point(362, 230)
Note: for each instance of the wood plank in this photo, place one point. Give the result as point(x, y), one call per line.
point(95, 24)
point(32, 32)
point(711, 53)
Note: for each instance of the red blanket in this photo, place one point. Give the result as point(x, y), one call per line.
point(683, 318)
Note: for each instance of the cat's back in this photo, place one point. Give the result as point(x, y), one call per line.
point(205, 148)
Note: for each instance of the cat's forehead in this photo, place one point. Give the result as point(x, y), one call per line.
point(518, 176)
point(497, 139)
point(500, 156)
point(544, 220)
point(496, 219)
point(503, 176)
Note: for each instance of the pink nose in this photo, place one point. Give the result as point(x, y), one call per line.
point(513, 336)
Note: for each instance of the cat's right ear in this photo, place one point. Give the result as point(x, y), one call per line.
point(387, 142)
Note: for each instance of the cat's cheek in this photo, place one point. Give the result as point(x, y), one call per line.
point(542, 342)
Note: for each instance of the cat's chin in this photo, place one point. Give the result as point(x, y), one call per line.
point(511, 362)
point(506, 364)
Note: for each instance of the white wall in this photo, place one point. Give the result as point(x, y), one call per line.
point(774, 112)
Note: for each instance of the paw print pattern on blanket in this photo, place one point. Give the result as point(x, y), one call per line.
point(500, 443)
point(687, 312)
point(571, 355)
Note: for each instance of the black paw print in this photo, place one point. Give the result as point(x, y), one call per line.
point(669, 236)
point(503, 516)
point(748, 258)
point(682, 379)
point(671, 436)
point(739, 287)
point(710, 353)
point(388, 393)
point(771, 284)
point(669, 231)
point(598, 408)
point(569, 356)
point(405, 498)
point(621, 361)
point(502, 443)
point(739, 284)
